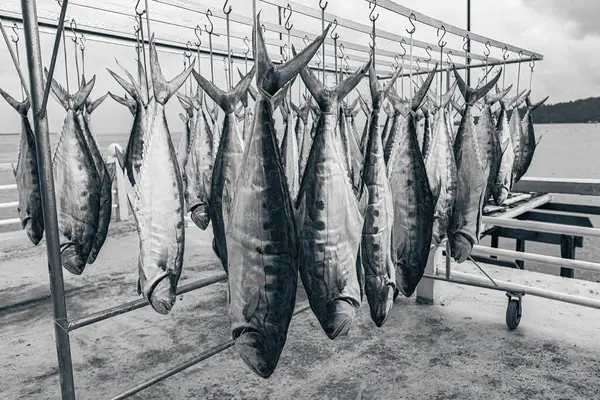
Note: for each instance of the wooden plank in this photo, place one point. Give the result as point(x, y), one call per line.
point(405, 11)
point(584, 187)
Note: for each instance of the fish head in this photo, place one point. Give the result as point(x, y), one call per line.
point(32, 224)
point(200, 216)
point(73, 259)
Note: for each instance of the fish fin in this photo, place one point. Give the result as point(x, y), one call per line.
point(537, 141)
point(346, 86)
point(240, 91)
point(491, 99)
point(537, 105)
point(57, 91)
point(90, 106)
point(73, 102)
point(420, 95)
point(251, 297)
point(207, 185)
point(470, 95)
point(271, 78)
point(185, 102)
point(162, 89)
point(448, 95)
point(183, 118)
point(378, 95)
point(460, 109)
point(129, 88)
point(295, 108)
point(120, 158)
point(129, 103)
point(14, 169)
point(216, 94)
point(353, 106)
point(22, 108)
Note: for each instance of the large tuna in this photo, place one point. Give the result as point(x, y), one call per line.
point(376, 244)
point(157, 199)
point(132, 158)
point(328, 216)
point(414, 205)
point(262, 241)
point(27, 175)
point(441, 169)
point(473, 172)
point(227, 159)
point(529, 141)
point(198, 168)
point(78, 184)
point(517, 135)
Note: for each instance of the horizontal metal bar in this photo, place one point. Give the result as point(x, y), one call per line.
point(561, 229)
point(86, 320)
point(584, 187)
point(346, 23)
point(572, 208)
point(484, 251)
point(405, 11)
point(474, 280)
point(12, 186)
point(10, 204)
point(190, 363)
point(10, 221)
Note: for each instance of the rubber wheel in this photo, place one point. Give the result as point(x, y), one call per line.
point(513, 315)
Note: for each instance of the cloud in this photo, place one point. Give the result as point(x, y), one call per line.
point(580, 17)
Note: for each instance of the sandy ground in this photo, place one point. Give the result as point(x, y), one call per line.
point(459, 348)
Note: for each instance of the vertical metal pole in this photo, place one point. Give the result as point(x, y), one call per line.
point(42, 140)
point(469, 43)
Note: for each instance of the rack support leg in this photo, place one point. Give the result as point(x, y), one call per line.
point(42, 140)
point(427, 292)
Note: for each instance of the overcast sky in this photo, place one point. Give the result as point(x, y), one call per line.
point(565, 32)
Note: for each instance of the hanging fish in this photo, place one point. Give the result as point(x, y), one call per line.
point(289, 152)
point(376, 243)
point(188, 120)
point(262, 241)
point(27, 175)
point(529, 141)
point(105, 210)
point(503, 184)
point(366, 109)
point(198, 168)
point(441, 169)
point(131, 160)
point(389, 110)
point(414, 205)
point(491, 143)
point(228, 159)
point(301, 131)
point(308, 136)
point(328, 215)
point(78, 184)
point(473, 171)
point(517, 135)
point(248, 114)
point(157, 199)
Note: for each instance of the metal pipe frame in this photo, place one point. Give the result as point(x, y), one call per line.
point(560, 229)
point(44, 160)
point(187, 364)
point(76, 323)
point(405, 11)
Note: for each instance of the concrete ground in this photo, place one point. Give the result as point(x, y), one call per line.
point(459, 348)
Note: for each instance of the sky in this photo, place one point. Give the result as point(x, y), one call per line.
point(564, 32)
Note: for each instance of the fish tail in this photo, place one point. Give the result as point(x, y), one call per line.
point(471, 95)
point(492, 99)
point(91, 106)
point(164, 90)
point(537, 105)
point(22, 108)
point(422, 93)
point(68, 101)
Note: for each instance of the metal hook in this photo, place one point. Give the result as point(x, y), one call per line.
point(450, 53)
point(396, 57)
point(285, 52)
point(188, 52)
point(374, 4)
point(466, 39)
point(532, 63)
point(225, 6)
point(305, 39)
point(198, 33)
point(14, 28)
point(208, 13)
point(333, 33)
point(225, 66)
point(505, 54)
point(246, 41)
point(136, 28)
point(418, 65)
point(403, 48)
point(263, 28)
point(323, 7)
point(82, 40)
point(487, 51)
point(73, 22)
point(347, 66)
point(440, 43)
point(427, 50)
point(412, 18)
point(520, 56)
point(139, 14)
point(341, 47)
point(287, 25)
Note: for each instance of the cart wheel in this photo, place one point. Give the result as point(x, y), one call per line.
point(513, 314)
